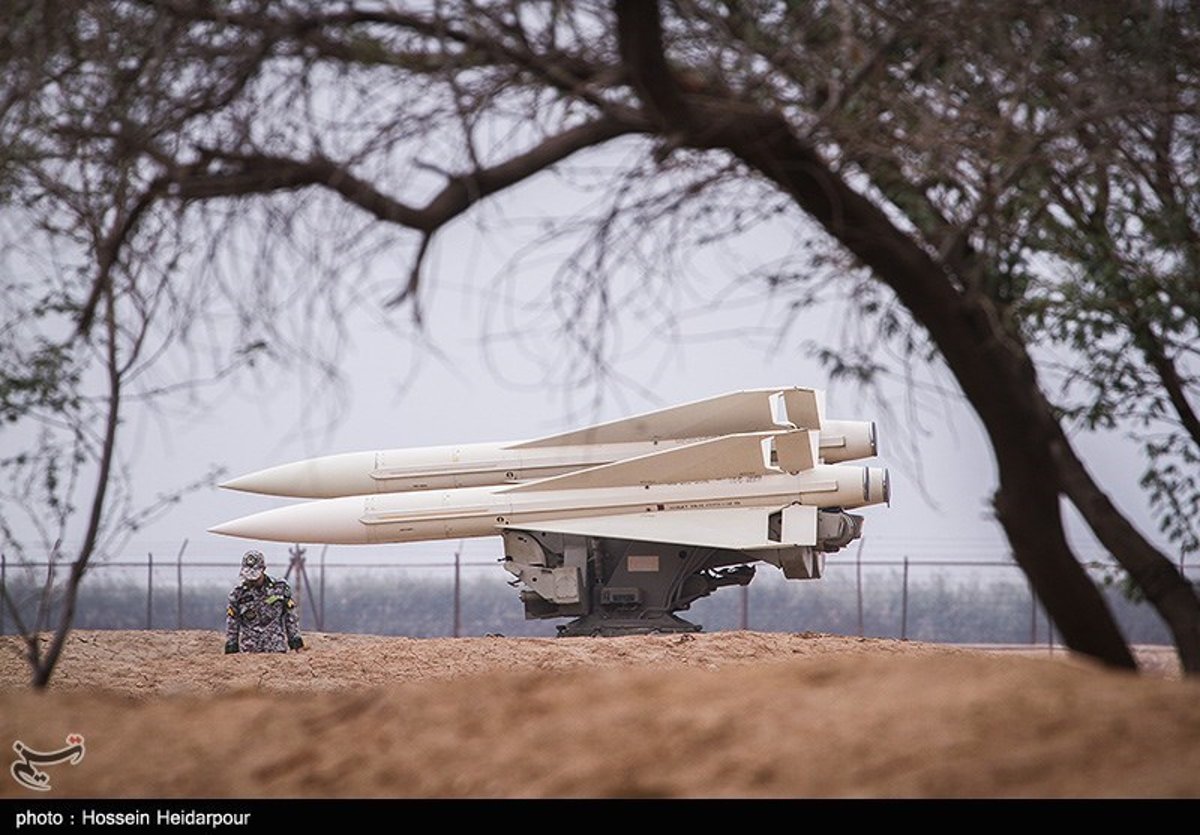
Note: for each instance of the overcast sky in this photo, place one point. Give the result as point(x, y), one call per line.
point(491, 364)
point(474, 382)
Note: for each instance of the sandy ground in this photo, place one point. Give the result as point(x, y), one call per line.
point(726, 714)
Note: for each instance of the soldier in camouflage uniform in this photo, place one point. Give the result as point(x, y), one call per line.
point(262, 615)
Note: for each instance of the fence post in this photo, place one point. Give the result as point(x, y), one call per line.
point(858, 583)
point(179, 586)
point(3, 593)
point(745, 619)
point(149, 589)
point(45, 610)
point(904, 605)
point(457, 591)
point(321, 603)
point(297, 560)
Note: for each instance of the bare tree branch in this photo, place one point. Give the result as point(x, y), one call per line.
point(47, 663)
point(242, 175)
point(110, 250)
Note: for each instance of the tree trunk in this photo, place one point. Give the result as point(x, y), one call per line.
point(1027, 506)
point(1164, 586)
point(995, 373)
point(990, 364)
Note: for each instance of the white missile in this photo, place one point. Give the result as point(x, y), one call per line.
point(721, 493)
point(618, 525)
point(489, 464)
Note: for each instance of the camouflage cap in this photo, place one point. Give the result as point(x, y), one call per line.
point(254, 565)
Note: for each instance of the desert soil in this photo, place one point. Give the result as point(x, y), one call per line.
point(720, 715)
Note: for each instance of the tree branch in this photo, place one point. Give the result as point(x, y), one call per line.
point(43, 671)
point(243, 175)
point(561, 70)
point(640, 38)
point(247, 174)
point(109, 252)
point(1155, 354)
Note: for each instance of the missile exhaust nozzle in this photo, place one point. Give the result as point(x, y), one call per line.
point(876, 485)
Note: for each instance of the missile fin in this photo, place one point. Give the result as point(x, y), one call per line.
point(737, 412)
point(736, 528)
point(805, 407)
point(731, 456)
point(798, 451)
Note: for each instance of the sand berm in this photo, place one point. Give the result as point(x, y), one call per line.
point(711, 715)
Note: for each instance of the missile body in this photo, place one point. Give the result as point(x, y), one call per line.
point(487, 464)
point(618, 525)
point(431, 468)
point(487, 511)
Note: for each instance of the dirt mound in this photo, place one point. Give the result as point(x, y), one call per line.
point(730, 714)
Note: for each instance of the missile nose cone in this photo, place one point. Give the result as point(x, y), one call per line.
point(225, 529)
point(248, 527)
point(334, 521)
point(314, 478)
point(245, 483)
point(291, 480)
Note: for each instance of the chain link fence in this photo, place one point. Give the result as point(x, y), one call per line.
point(949, 601)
